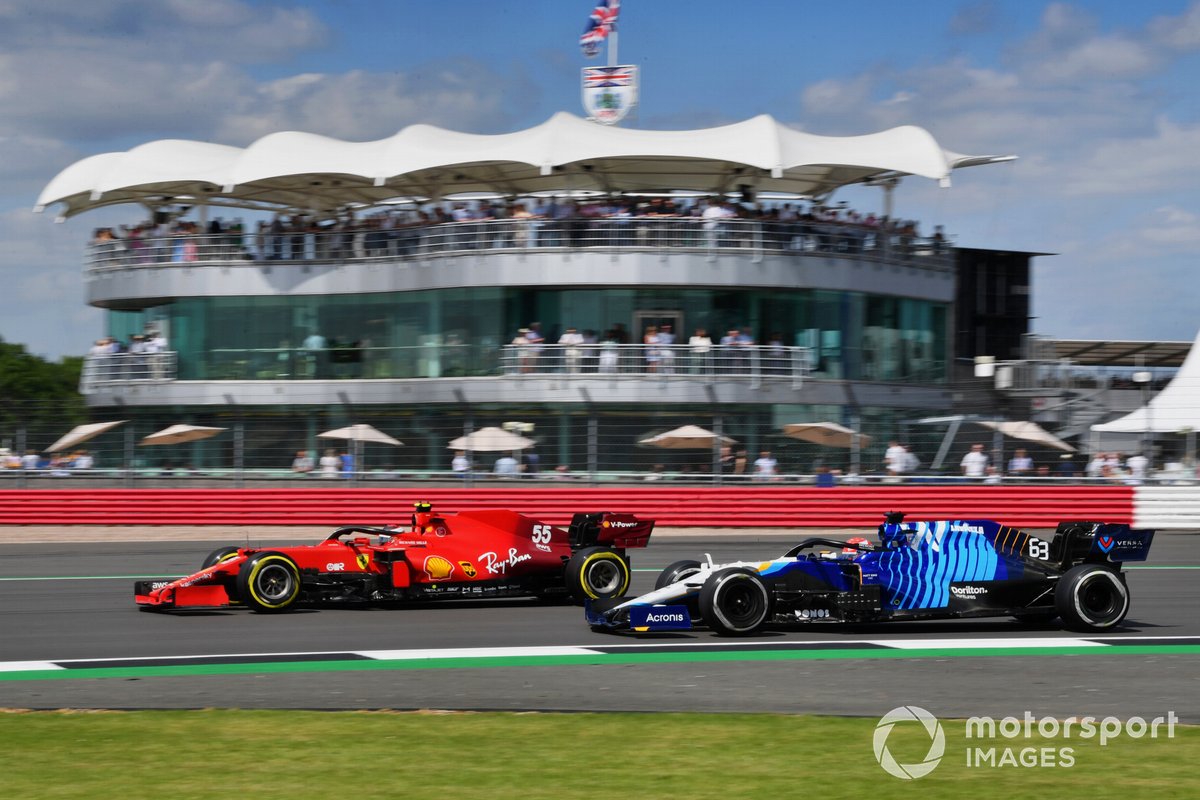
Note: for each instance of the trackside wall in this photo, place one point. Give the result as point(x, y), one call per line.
point(747, 506)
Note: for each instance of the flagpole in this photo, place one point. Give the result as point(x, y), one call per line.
point(612, 47)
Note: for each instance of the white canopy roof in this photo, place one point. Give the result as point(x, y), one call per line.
point(292, 170)
point(1174, 409)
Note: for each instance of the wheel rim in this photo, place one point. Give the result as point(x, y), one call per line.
point(604, 577)
point(1099, 599)
point(274, 583)
point(742, 603)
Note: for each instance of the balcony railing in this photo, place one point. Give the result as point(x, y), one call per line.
point(103, 370)
point(749, 363)
point(422, 242)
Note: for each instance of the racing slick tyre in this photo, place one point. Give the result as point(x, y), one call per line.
point(268, 582)
point(219, 555)
point(594, 573)
point(676, 572)
point(735, 602)
point(1091, 598)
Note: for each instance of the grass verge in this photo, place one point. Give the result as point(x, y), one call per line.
point(286, 754)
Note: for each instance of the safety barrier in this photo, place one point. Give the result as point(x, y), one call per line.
point(740, 507)
point(1167, 507)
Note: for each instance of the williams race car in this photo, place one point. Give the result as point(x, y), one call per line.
point(920, 570)
point(467, 555)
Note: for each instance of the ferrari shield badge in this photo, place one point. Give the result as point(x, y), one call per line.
point(609, 93)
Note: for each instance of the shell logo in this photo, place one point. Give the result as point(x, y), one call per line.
point(438, 568)
point(604, 524)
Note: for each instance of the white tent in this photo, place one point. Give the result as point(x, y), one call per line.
point(1175, 409)
point(563, 153)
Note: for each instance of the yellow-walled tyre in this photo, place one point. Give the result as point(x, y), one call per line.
point(268, 582)
point(594, 573)
point(219, 555)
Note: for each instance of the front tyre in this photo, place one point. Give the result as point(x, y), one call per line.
point(1091, 598)
point(219, 555)
point(595, 573)
point(676, 572)
point(735, 602)
point(268, 582)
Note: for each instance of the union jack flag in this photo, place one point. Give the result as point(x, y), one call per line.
point(606, 76)
point(600, 24)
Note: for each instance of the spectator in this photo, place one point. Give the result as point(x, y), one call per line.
point(657, 473)
point(826, 479)
point(347, 464)
point(701, 352)
point(506, 466)
point(330, 464)
point(530, 462)
point(764, 467)
point(563, 473)
point(460, 464)
point(1137, 465)
point(974, 464)
point(666, 348)
point(1020, 464)
point(572, 346)
point(302, 463)
point(895, 458)
point(84, 460)
point(29, 460)
point(1067, 468)
point(652, 352)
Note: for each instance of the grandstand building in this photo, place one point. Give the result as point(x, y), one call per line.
point(438, 282)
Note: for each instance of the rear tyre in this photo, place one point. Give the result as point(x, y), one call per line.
point(594, 573)
point(1091, 598)
point(735, 602)
point(676, 572)
point(219, 555)
point(268, 582)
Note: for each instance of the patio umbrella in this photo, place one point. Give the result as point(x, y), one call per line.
point(81, 433)
point(829, 434)
point(178, 434)
point(688, 437)
point(490, 440)
point(361, 433)
point(1030, 432)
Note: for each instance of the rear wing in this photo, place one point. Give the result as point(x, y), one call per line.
point(1076, 542)
point(608, 528)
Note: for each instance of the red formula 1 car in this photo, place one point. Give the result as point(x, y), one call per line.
point(467, 555)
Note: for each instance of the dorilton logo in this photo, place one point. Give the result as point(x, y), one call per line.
point(967, 591)
point(937, 742)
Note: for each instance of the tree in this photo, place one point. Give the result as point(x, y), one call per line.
point(42, 397)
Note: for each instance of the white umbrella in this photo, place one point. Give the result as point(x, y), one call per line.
point(361, 433)
point(689, 437)
point(490, 440)
point(827, 433)
point(1030, 432)
point(81, 433)
point(178, 434)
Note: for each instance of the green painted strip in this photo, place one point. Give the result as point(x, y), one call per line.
point(598, 659)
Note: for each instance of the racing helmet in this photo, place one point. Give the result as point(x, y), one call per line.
point(856, 540)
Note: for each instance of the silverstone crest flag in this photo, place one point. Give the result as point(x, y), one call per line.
point(609, 93)
point(599, 25)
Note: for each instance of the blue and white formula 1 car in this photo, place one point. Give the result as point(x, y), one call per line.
point(920, 570)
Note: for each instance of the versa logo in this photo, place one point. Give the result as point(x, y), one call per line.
point(1106, 543)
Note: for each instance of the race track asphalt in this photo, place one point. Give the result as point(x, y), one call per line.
point(73, 601)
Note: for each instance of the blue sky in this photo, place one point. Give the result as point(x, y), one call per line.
point(1097, 99)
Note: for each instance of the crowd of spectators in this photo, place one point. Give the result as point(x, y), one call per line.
point(399, 231)
point(55, 464)
point(660, 352)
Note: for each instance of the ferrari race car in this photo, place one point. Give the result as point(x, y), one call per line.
point(920, 570)
point(467, 555)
